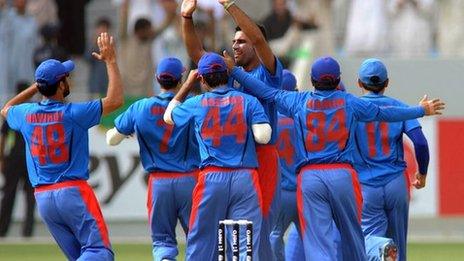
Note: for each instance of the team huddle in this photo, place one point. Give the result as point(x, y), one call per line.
point(251, 147)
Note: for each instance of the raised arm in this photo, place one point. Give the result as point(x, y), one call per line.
point(20, 98)
point(253, 32)
point(180, 96)
point(192, 42)
point(115, 94)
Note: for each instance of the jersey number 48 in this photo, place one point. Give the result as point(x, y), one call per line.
point(52, 146)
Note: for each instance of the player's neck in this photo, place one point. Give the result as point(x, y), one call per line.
point(174, 90)
point(252, 64)
point(57, 97)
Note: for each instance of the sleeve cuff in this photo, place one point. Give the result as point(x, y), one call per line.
point(167, 117)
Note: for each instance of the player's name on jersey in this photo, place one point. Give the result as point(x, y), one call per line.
point(45, 117)
point(222, 101)
point(325, 104)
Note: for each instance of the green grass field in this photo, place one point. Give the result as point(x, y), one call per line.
point(50, 252)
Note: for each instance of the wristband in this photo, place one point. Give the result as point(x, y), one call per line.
point(187, 16)
point(228, 4)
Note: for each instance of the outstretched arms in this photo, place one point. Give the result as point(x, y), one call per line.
point(366, 111)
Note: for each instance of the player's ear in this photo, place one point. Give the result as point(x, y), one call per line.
point(61, 86)
point(386, 83)
point(360, 84)
point(202, 80)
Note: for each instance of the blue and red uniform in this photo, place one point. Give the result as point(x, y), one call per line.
point(382, 173)
point(228, 186)
point(327, 185)
point(382, 168)
point(268, 169)
point(288, 210)
point(287, 158)
point(170, 155)
point(57, 154)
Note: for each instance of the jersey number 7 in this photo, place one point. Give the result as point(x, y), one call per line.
point(52, 147)
point(234, 125)
point(164, 144)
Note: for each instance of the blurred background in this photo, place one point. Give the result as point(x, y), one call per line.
point(421, 42)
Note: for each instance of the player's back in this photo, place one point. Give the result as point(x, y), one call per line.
point(380, 145)
point(287, 154)
point(325, 123)
point(56, 136)
point(223, 121)
point(163, 147)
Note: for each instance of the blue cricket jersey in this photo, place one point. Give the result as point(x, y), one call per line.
point(381, 157)
point(163, 147)
point(223, 118)
point(56, 137)
point(325, 120)
point(287, 154)
point(275, 81)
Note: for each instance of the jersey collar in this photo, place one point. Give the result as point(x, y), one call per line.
point(323, 93)
point(49, 102)
point(222, 89)
point(373, 95)
point(166, 95)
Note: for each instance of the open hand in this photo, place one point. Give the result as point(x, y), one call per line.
point(228, 60)
point(188, 7)
point(432, 107)
point(107, 50)
point(419, 182)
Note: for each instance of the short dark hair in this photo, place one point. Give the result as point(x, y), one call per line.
point(167, 83)
point(376, 85)
point(326, 84)
point(261, 28)
point(141, 24)
point(216, 79)
point(47, 90)
point(103, 21)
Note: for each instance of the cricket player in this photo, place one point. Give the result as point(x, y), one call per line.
point(254, 55)
point(287, 156)
point(57, 153)
point(169, 154)
point(227, 125)
point(327, 185)
point(381, 166)
point(294, 245)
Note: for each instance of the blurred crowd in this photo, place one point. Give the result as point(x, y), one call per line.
point(148, 30)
